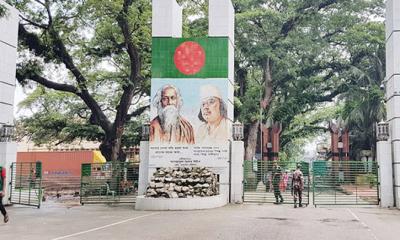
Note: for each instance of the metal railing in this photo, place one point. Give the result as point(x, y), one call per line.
point(109, 183)
point(345, 183)
point(26, 184)
point(258, 185)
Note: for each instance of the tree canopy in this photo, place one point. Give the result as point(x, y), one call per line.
point(297, 56)
point(2, 10)
point(299, 62)
point(93, 57)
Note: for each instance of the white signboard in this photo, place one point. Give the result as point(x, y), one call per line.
point(189, 155)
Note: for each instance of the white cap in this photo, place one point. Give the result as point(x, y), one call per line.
point(207, 91)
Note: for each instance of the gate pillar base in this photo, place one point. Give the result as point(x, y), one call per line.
point(8, 155)
point(237, 158)
point(384, 157)
point(143, 167)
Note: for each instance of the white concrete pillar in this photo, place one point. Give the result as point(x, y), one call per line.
point(384, 158)
point(8, 57)
point(221, 23)
point(221, 19)
point(143, 167)
point(167, 19)
point(8, 155)
point(392, 83)
point(396, 171)
point(237, 161)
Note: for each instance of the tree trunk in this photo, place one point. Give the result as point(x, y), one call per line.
point(111, 149)
point(252, 140)
point(267, 78)
point(253, 131)
point(240, 78)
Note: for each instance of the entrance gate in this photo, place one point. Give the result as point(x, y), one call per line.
point(329, 183)
point(257, 184)
point(26, 184)
point(345, 183)
point(109, 183)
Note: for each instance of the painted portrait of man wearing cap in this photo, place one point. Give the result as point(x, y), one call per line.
point(213, 115)
point(169, 126)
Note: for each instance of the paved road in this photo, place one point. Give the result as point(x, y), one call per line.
point(247, 221)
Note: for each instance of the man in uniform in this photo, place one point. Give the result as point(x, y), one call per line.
point(297, 186)
point(2, 192)
point(276, 178)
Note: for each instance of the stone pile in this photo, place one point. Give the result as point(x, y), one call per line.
point(183, 182)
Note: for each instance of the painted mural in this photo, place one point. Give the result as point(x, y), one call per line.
point(189, 124)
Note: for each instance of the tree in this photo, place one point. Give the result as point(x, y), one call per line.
point(293, 55)
point(364, 104)
point(105, 47)
point(194, 18)
point(2, 10)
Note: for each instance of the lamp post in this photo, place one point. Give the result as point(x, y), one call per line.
point(382, 135)
point(382, 131)
point(341, 174)
point(6, 133)
point(237, 132)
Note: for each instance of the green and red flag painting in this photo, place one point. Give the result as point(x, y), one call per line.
point(190, 57)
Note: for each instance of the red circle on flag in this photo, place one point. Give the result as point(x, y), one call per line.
point(189, 58)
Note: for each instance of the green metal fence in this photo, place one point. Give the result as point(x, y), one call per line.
point(257, 183)
point(345, 183)
point(26, 184)
point(109, 183)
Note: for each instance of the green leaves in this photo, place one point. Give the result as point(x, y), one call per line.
point(320, 50)
point(96, 54)
point(27, 69)
point(3, 10)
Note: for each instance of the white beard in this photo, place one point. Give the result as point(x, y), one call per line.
point(169, 117)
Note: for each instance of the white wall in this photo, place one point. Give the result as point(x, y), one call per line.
point(143, 167)
point(221, 23)
point(8, 50)
point(237, 161)
point(8, 56)
point(384, 157)
point(393, 87)
point(167, 18)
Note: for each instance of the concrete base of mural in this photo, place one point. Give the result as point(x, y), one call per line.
point(160, 204)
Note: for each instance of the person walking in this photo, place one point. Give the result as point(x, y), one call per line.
point(284, 181)
point(297, 186)
point(276, 178)
point(2, 192)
